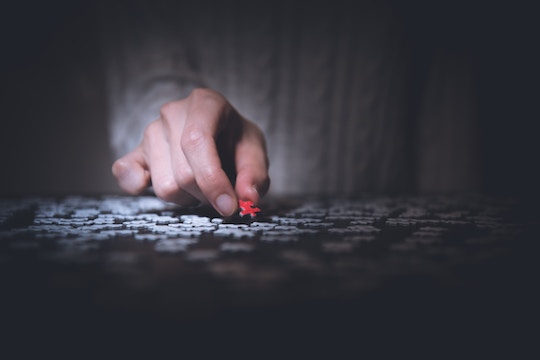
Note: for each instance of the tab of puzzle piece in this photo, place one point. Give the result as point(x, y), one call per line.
point(247, 208)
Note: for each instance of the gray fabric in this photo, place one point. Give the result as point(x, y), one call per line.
point(333, 86)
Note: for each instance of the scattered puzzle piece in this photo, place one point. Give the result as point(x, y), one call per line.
point(247, 208)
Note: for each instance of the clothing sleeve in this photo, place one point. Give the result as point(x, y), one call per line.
point(149, 61)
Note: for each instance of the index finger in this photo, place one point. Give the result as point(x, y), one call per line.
point(205, 112)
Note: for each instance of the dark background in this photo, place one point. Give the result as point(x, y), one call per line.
point(54, 127)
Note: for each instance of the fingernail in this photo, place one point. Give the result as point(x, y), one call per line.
point(225, 204)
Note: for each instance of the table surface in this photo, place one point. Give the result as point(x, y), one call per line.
point(119, 262)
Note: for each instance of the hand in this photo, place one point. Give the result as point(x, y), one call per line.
point(195, 151)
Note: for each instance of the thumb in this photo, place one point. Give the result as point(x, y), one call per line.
point(252, 180)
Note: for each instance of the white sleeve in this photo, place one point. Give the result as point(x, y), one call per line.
point(148, 63)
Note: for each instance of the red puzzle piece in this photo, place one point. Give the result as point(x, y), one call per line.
point(247, 208)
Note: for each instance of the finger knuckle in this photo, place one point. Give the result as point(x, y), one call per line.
point(166, 189)
point(168, 109)
point(206, 98)
point(192, 139)
point(202, 94)
point(254, 130)
point(151, 131)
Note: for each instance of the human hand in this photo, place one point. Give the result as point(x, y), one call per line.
point(196, 151)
